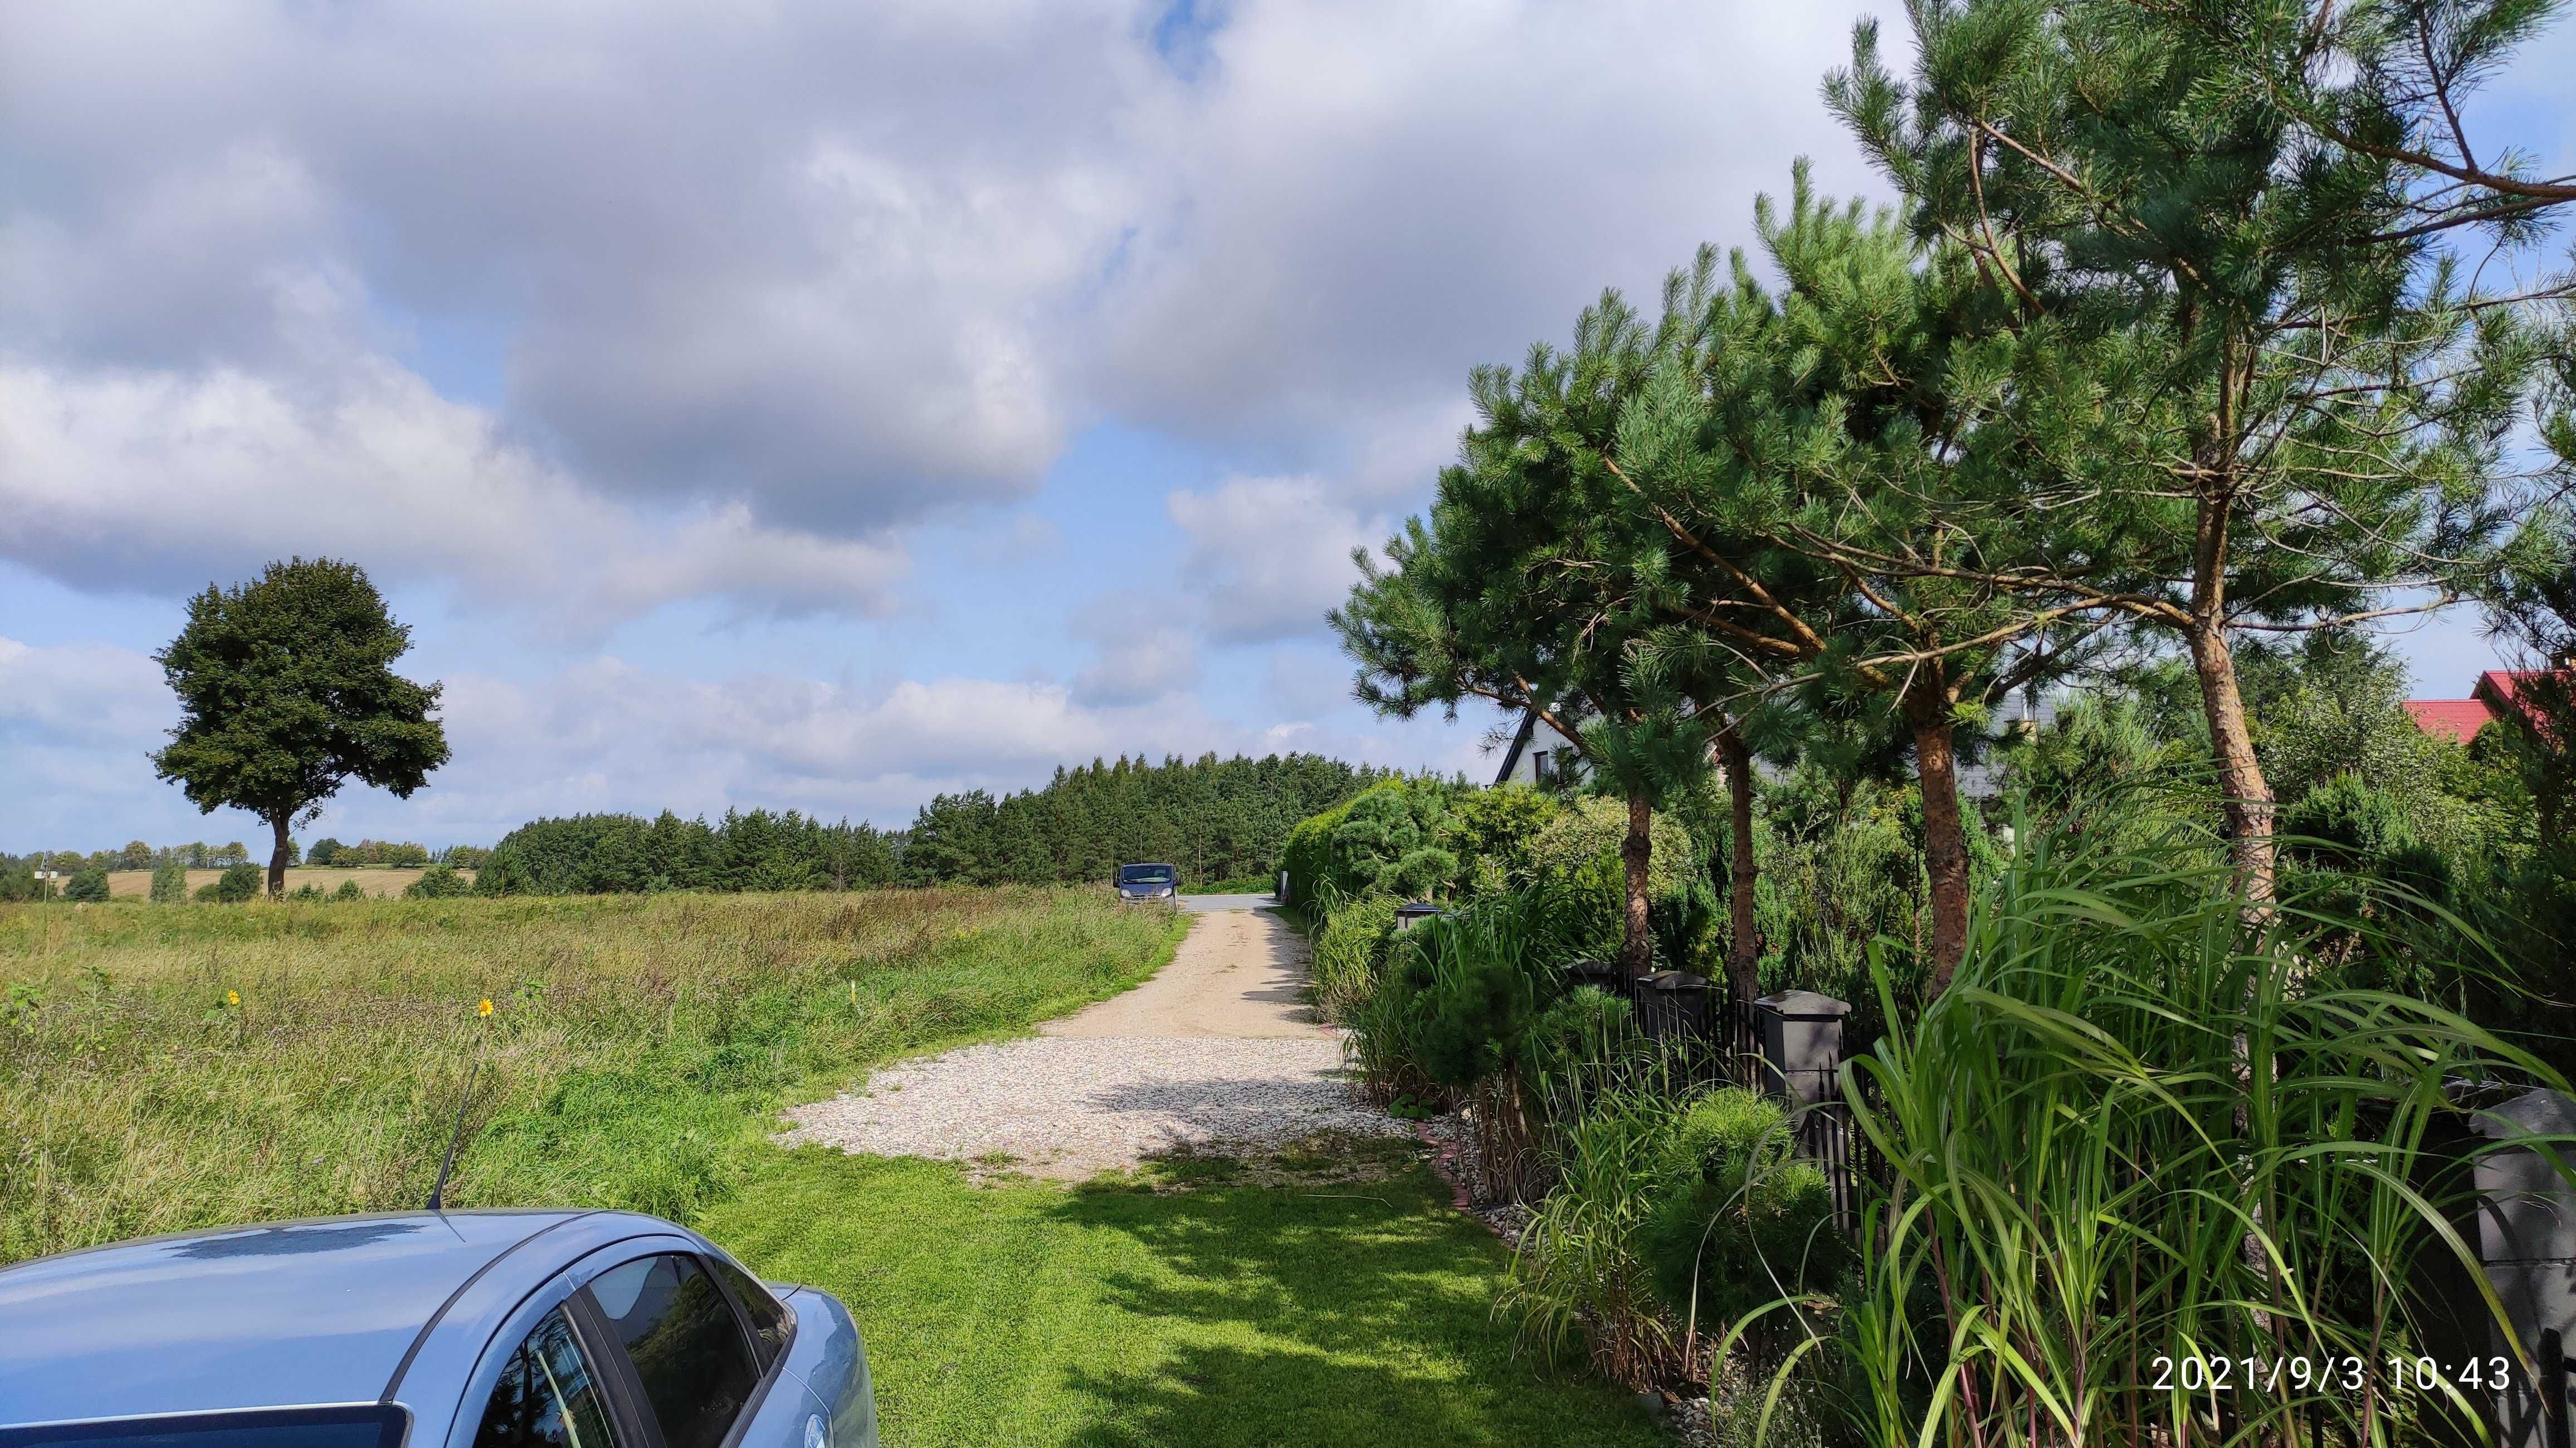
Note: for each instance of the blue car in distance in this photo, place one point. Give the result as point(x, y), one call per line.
point(1158, 883)
point(457, 1329)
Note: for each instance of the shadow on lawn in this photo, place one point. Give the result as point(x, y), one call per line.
point(1376, 1306)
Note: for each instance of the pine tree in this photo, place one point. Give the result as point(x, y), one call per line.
point(2227, 332)
point(1531, 583)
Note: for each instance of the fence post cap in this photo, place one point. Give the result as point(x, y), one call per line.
point(1804, 1004)
point(2539, 1112)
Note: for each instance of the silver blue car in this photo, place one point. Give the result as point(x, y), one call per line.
point(425, 1330)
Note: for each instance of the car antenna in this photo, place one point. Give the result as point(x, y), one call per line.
point(438, 1189)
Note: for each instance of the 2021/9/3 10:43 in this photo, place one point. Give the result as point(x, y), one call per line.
point(2346, 1372)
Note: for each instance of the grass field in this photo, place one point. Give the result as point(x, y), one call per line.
point(171, 1068)
point(379, 880)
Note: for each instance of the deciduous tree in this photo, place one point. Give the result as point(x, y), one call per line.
point(287, 691)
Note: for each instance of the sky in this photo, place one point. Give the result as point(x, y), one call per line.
point(806, 405)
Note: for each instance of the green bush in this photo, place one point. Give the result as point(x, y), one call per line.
point(1494, 834)
point(169, 884)
point(1742, 1222)
point(1308, 856)
point(236, 884)
point(306, 891)
point(438, 882)
point(348, 891)
point(88, 887)
point(1594, 827)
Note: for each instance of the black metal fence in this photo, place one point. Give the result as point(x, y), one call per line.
point(1722, 1037)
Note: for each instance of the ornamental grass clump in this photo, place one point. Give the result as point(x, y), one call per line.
point(1676, 1213)
point(2145, 1133)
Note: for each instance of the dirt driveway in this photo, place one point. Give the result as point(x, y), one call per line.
point(1218, 1051)
point(1240, 974)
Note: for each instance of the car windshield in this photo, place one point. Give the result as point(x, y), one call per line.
point(1144, 874)
point(373, 1425)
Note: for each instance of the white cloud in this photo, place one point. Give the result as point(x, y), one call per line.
point(1268, 555)
point(853, 267)
point(166, 479)
point(1143, 651)
point(1368, 199)
point(81, 692)
point(816, 258)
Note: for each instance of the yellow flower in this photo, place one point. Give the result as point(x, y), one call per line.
point(232, 997)
point(484, 1009)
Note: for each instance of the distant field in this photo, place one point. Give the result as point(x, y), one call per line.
point(374, 879)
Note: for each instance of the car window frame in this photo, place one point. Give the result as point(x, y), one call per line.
point(593, 1320)
point(555, 1291)
point(626, 1425)
point(742, 1319)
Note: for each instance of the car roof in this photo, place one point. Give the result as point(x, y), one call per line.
point(315, 1311)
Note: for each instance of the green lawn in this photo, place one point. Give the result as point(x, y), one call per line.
point(1221, 1315)
point(170, 1067)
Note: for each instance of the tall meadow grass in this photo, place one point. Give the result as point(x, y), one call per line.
point(171, 1067)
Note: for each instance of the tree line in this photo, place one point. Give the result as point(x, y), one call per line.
point(1217, 819)
point(2170, 346)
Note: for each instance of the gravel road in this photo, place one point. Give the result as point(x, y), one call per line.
point(1217, 1051)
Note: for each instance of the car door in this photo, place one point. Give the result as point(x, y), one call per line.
point(700, 1367)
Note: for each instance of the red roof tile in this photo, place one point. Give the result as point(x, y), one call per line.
point(2458, 719)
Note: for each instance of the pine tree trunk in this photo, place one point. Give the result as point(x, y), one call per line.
point(277, 856)
point(2248, 796)
point(1637, 948)
point(1945, 840)
point(1743, 949)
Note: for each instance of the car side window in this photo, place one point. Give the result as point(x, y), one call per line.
point(687, 1349)
point(548, 1396)
point(761, 1311)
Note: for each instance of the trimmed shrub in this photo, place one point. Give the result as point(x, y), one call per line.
point(1494, 834)
point(1308, 855)
point(1387, 842)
